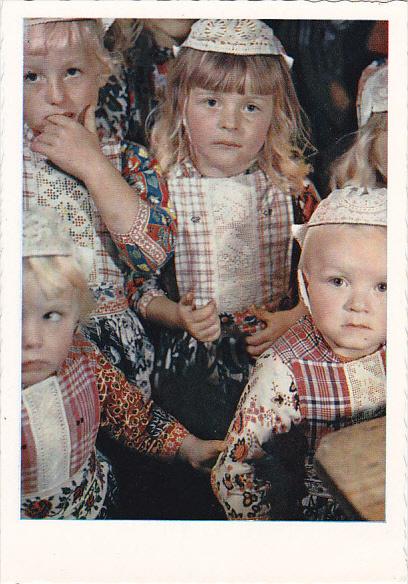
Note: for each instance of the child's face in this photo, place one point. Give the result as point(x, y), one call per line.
point(346, 283)
point(63, 81)
point(48, 328)
point(227, 130)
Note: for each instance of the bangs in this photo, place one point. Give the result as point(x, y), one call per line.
point(42, 38)
point(225, 73)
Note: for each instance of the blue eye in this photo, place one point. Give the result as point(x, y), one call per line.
point(337, 282)
point(53, 316)
point(211, 102)
point(31, 77)
point(382, 287)
point(73, 72)
point(252, 108)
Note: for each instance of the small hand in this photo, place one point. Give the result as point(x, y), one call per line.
point(70, 145)
point(276, 323)
point(201, 454)
point(201, 323)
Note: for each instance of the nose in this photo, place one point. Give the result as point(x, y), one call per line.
point(229, 117)
point(358, 300)
point(55, 92)
point(32, 334)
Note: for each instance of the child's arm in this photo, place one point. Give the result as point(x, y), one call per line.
point(267, 406)
point(143, 425)
point(201, 323)
point(276, 323)
point(136, 225)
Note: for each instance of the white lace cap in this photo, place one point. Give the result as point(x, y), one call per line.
point(106, 22)
point(45, 234)
point(351, 205)
point(373, 95)
point(236, 37)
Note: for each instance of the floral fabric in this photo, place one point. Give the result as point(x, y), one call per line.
point(120, 408)
point(282, 417)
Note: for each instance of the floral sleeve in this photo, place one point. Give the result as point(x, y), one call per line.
point(269, 405)
point(129, 418)
point(149, 243)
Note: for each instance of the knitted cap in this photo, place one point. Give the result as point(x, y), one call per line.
point(45, 234)
point(372, 96)
point(236, 37)
point(351, 205)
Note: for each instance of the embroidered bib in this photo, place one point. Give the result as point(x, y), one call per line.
point(60, 420)
point(46, 185)
point(234, 243)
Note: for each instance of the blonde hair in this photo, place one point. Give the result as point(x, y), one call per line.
point(281, 157)
point(359, 165)
point(53, 272)
point(42, 38)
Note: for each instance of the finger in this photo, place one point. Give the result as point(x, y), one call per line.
point(259, 349)
point(61, 120)
point(258, 338)
point(187, 299)
point(206, 312)
point(210, 335)
point(262, 313)
point(89, 119)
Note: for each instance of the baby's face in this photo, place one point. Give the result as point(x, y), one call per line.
point(346, 277)
point(48, 328)
point(63, 81)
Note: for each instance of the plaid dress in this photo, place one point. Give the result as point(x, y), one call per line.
point(233, 245)
point(299, 391)
point(63, 475)
point(114, 327)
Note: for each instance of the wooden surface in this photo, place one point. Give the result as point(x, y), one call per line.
point(351, 463)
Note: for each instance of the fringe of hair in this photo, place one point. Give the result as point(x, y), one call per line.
point(282, 156)
point(359, 166)
point(53, 272)
point(88, 32)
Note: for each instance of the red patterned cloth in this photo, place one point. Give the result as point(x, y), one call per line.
point(90, 392)
point(299, 382)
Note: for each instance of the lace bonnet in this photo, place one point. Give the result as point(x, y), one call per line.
point(236, 37)
point(45, 234)
point(372, 94)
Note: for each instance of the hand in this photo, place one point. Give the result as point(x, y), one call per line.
point(276, 323)
point(201, 454)
point(201, 323)
point(70, 145)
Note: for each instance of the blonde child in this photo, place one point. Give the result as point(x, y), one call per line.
point(70, 389)
point(365, 162)
point(229, 140)
point(108, 193)
point(325, 372)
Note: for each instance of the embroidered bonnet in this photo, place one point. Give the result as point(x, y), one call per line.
point(236, 37)
point(372, 92)
point(44, 234)
point(351, 205)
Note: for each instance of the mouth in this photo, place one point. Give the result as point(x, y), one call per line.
point(228, 144)
point(356, 326)
point(29, 366)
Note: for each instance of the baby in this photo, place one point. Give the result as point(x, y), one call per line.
point(325, 372)
point(70, 389)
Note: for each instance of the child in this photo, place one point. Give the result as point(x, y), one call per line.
point(128, 99)
point(325, 372)
point(229, 140)
point(365, 162)
point(70, 388)
point(108, 193)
